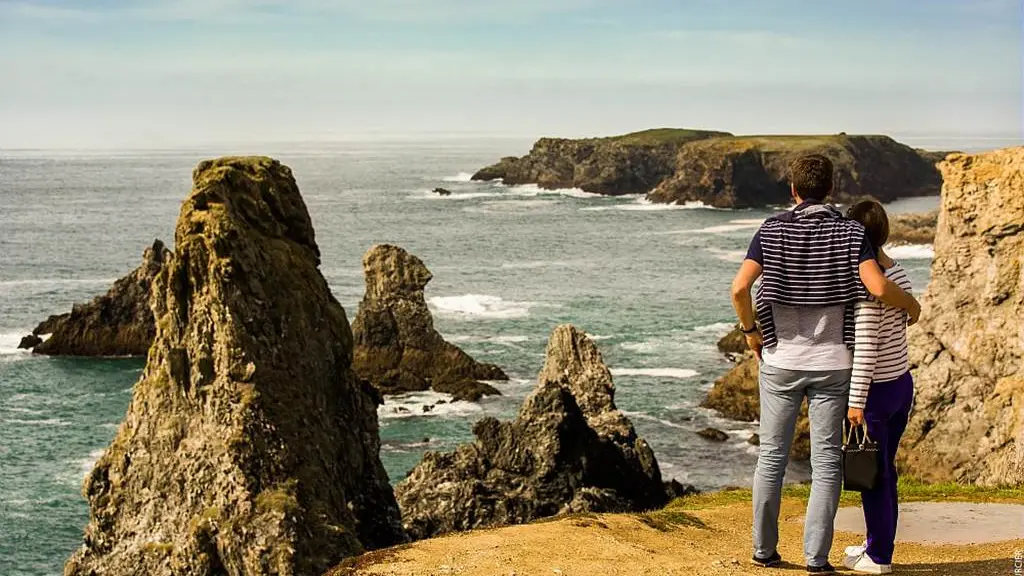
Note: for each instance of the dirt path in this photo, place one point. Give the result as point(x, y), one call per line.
point(710, 542)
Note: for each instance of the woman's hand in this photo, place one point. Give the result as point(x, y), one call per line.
point(855, 416)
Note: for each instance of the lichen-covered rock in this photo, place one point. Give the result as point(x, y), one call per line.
point(918, 228)
point(753, 171)
point(968, 349)
point(629, 164)
point(569, 449)
point(735, 342)
point(396, 346)
point(736, 395)
point(249, 447)
point(119, 323)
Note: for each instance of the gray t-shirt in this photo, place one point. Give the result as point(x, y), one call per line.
point(809, 338)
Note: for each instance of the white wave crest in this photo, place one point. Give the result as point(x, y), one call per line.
point(480, 306)
point(680, 373)
point(911, 251)
point(9, 344)
point(460, 177)
point(87, 464)
point(412, 405)
point(535, 190)
point(642, 204)
point(716, 328)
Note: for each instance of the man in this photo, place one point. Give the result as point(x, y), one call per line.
point(815, 265)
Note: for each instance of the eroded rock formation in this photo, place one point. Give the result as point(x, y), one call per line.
point(569, 449)
point(250, 447)
point(913, 228)
point(629, 164)
point(119, 323)
point(752, 171)
point(396, 346)
point(968, 350)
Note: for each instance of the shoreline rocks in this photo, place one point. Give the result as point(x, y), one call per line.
point(918, 228)
point(118, 323)
point(249, 446)
point(396, 347)
point(967, 352)
point(717, 168)
point(568, 450)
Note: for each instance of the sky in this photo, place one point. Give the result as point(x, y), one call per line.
point(164, 73)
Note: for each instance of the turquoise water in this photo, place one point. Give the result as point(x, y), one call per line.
point(648, 282)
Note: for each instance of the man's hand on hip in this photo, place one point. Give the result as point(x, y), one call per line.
point(755, 342)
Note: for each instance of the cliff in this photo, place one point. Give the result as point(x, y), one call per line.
point(629, 164)
point(752, 171)
point(568, 450)
point(249, 447)
point(913, 228)
point(396, 346)
point(968, 350)
point(118, 323)
point(717, 168)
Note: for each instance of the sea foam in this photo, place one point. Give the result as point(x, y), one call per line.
point(460, 177)
point(480, 306)
point(411, 405)
point(911, 251)
point(680, 373)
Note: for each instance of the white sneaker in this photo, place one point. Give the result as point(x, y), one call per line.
point(865, 565)
point(857, 550)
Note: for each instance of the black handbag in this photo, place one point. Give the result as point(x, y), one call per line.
point(860, 460)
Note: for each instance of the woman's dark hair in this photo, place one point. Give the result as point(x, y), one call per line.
point(811, 177)
point(876, 222)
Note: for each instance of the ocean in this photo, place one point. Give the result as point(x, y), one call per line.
point(648, 282)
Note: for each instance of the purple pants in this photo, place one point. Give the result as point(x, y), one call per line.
point(886, 414)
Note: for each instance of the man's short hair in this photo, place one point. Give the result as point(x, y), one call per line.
point(811, 177)
point(876, 222)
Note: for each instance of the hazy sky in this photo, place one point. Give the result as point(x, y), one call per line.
point(110, 73)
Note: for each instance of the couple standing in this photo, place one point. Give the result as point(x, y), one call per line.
point(829, 324)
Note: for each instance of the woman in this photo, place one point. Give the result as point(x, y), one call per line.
point(881, 394)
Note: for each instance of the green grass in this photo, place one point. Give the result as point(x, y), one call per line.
point(910, 490)
point(659, 136)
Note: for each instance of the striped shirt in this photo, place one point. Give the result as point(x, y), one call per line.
point(880, 350)
point(809, 256)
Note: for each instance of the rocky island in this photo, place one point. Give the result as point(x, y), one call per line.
point(250, 446)
point(719, 169)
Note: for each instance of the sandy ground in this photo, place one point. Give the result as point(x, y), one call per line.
point(948, 522)
point(710, 542)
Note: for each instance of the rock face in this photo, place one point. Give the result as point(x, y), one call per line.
point(913, 228)
point(629, 164)
point(118, 323)
point(569, 449)
point(249, 447)
point(396, 346)
point(968, 350)
point(752, 171)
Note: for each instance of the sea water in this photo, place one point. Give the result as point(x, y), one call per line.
point(648, 282)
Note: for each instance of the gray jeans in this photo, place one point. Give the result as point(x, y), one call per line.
point(782, 392)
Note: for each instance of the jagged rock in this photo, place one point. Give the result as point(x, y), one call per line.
point(630, 164)
point(29, 342)
point(968, 349)
point(119, 323)
point(913, 228)
point(442, 192)
point(737, 396)
point(752, 171)
point(754, 440)
point(713, 434)
point(569, 449)
point(396, 346)
point(735, 342)
point(249, 447)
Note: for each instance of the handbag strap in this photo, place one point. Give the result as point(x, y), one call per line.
point(850, 434)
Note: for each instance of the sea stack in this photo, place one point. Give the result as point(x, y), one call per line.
point(396, 346)
point(568, 450)
point(250, 447)
point(118, 323)
point(968, 350)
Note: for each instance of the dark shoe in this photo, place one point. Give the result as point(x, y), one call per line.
point(770, 562)
point(826, 569)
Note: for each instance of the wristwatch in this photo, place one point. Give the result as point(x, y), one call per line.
point(751, 331)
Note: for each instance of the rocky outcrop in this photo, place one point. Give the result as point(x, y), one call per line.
point(913, 228)
point(968, 349)
point(629, 164)
point(733, 343)
point(568, 450)
point(119, 323)
point(736, 396)
point(752, 171)
point(396, 346)
point(249, 447)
